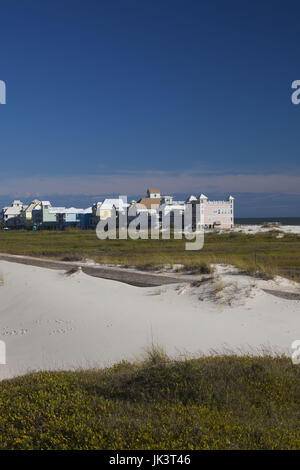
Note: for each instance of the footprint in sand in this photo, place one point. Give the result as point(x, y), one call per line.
point(8, 332)
point(61, 331)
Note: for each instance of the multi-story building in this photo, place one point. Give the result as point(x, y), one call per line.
point(72, 217)
point(26, 213)
point(45, 215)
point(213, 214)
point(110, 206)
point(11, 215)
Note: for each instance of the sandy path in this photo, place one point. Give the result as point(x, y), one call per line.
point(128, 276)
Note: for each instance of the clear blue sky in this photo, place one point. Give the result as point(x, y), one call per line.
point(193, 96)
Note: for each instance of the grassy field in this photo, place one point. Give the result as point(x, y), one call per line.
point(224, 402)
point(258, 252)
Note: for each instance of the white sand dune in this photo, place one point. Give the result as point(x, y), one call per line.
point(295, 229)
point(52, 321)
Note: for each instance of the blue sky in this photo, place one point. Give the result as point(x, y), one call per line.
point(113, 96)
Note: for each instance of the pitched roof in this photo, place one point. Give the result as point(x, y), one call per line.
point(108, 204)
point(191, 198)
point(151, 190)
point(13, 210)
point(149, 201)
point(32, 205)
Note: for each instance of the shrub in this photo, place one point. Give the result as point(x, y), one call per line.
point(220, 402)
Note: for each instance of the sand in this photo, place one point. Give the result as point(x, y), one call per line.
point(51, 321)
point(259, 228)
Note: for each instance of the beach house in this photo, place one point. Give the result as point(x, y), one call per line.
point(214, 214)
point(73, 217)
point(26, 213)
point(44, 215)
point(149, 204)
point(11, 214)
point(109, 206)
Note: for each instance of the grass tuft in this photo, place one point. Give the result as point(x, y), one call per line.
point(155, 355)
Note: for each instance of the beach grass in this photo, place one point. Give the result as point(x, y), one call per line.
point(252, 253)
point(221, 402)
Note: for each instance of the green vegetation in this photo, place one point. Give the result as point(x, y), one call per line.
point(262, 252)
point(222, 402)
